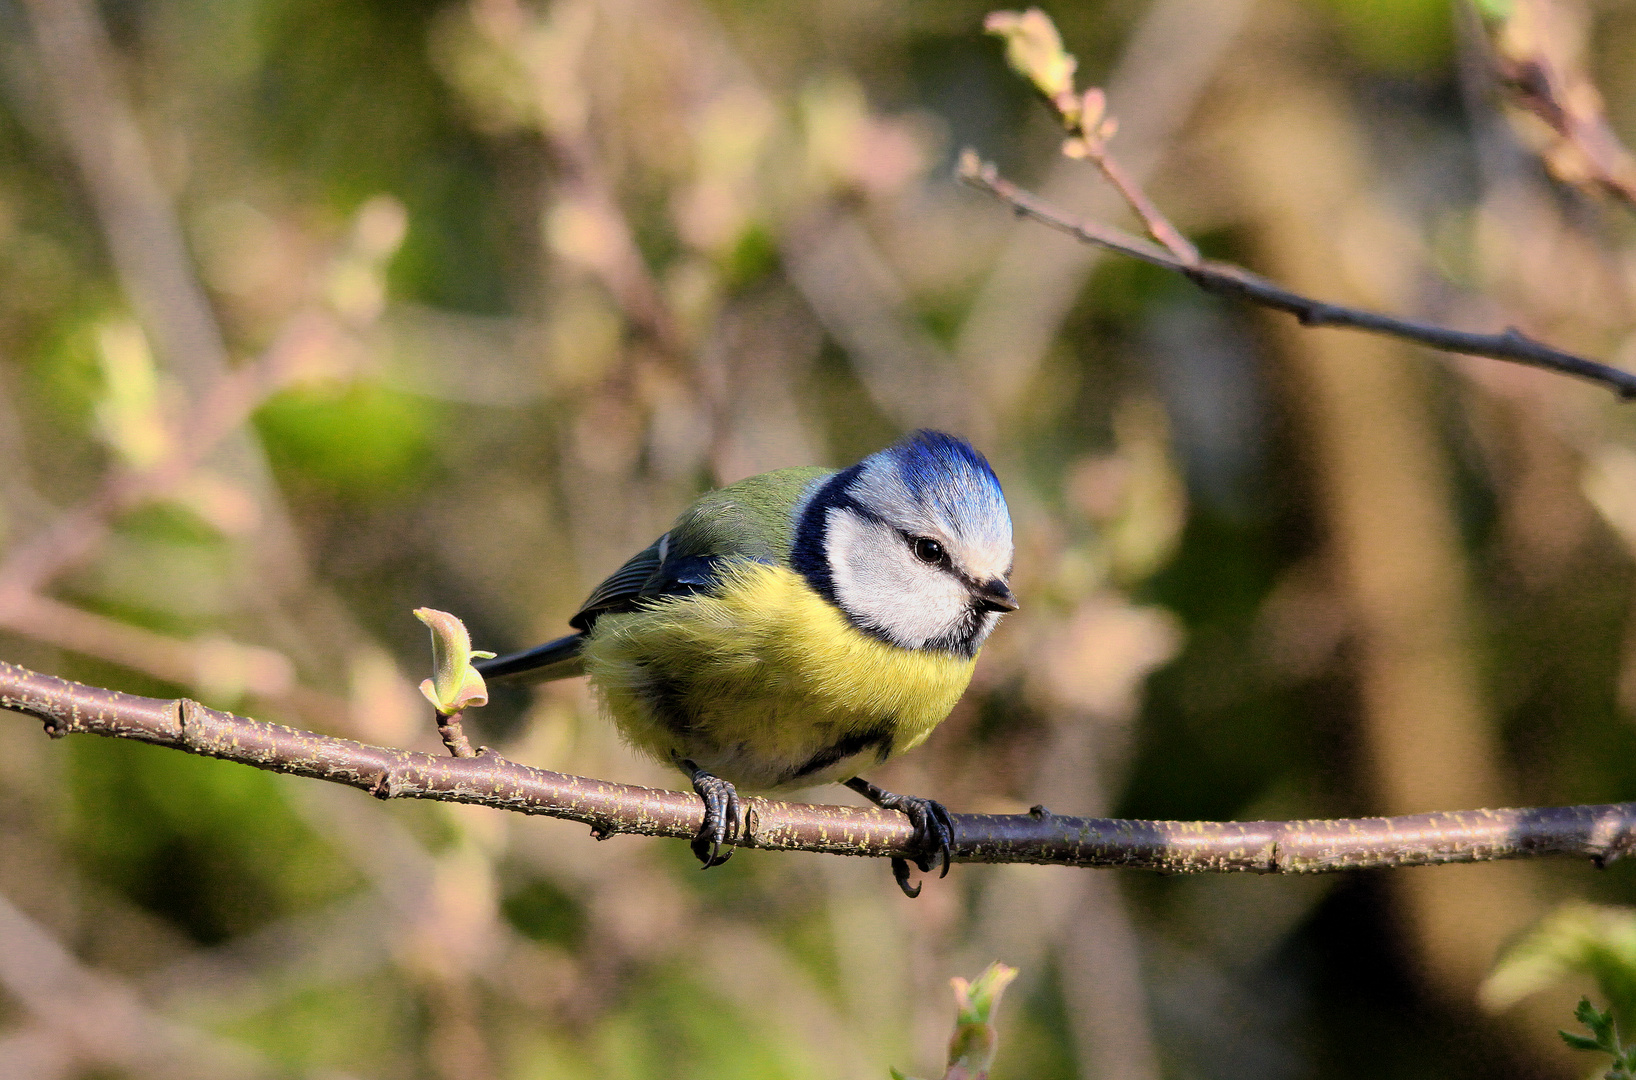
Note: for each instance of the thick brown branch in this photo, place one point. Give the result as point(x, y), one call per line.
point(1229, 280)
point(1601, 833)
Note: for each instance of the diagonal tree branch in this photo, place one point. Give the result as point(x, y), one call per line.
point(1034, 50)
point(1226, 279)
point(99, 1021)
point(1600, 833)
point(217, 417)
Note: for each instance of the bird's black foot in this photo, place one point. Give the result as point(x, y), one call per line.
point(721, 815)
point(934, 831)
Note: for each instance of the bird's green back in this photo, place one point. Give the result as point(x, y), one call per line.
point(752, 519)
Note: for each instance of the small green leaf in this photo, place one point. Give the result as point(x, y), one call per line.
point(1600, 1023)
point(455, 684)
point(1575, 940)
point(1579, 1042)
point(129, 413)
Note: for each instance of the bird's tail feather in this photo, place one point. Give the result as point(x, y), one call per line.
point(559, 659)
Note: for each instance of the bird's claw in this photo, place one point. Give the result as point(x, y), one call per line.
point(934, 831)
point(900, 874)
point(721, 816)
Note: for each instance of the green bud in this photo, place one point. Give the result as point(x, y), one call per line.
point(455, 684)
point(1034, 49)
point(971, 1049)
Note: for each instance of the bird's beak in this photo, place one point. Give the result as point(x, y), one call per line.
point(994, 596)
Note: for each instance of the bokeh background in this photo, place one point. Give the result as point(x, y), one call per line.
point(513, 282)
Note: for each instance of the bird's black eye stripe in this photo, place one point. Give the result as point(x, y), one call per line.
point(927, 550)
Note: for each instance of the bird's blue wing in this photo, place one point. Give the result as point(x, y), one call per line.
point(654, 572)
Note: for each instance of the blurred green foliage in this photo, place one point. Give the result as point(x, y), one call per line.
point(215, 851)
point(356, 441)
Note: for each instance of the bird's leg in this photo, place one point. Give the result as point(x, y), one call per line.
point(934, 830)
point(721, 815)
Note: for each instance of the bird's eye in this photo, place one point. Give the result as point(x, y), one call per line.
point(928, 550)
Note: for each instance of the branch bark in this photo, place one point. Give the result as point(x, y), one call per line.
point(1600, 833)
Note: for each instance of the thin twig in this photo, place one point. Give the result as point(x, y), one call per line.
point(1089, 129)
point(453, 734)
point(1537, 64)
point(1229, 280)
point(1601, 833)
point(1157, 225)
point(1034, 48)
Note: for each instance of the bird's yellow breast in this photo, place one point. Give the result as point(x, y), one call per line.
point(765, 684)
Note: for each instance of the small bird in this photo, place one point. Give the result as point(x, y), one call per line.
point(797, 627)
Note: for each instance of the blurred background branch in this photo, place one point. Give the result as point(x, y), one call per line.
point(1539, 57)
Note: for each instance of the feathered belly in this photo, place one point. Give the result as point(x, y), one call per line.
point(766, 684)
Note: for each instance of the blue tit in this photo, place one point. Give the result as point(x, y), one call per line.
point(800, 626)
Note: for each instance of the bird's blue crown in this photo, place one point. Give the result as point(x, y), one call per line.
point(949, 476)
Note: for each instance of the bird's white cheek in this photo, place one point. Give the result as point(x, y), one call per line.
point(882, 585)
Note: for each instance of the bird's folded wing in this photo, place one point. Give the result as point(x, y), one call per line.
point(623, 587)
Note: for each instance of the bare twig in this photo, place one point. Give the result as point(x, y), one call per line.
point(1089, 129)
point(453, 734)
point(1157, 225)
point(1537, 61)
point(1168, 63)
point(1035, 50)
point(1601, 833)
point(1229, 280)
